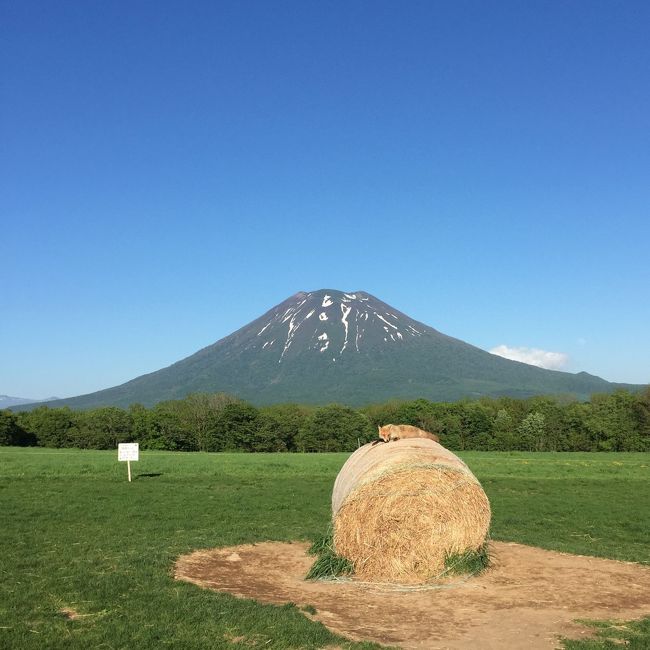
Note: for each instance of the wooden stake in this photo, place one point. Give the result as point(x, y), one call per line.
point(128, 464)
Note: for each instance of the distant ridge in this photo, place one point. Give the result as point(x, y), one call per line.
point(6, 401)
point(328, 345)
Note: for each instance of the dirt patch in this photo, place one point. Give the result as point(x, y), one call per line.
point(70, 614)
point(527, 599)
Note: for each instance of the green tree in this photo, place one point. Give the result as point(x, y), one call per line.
point(476, 425)
point(531, 432)
point(386, 413)
point(451, 428)
point(556, 431)
point(280, 426)
point(169, 430)
point(336, 428)
point(51, 427)
point(612, 422)
point(237, 427)
point(418, 413)
point(142, 424)
point(579, 438)
point(11, 433)
point(641, 413)
point(201, 413)
point(103, 428)
point(267, 435)
point(503, 431)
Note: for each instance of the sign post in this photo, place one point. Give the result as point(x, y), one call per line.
point(128, 451)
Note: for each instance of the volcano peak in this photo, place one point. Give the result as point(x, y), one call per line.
point(346, 346)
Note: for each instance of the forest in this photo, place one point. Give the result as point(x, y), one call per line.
point(218, 422)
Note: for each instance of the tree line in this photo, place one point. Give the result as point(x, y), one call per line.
point(218, 422)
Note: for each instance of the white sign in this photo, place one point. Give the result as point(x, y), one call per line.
point(128, 451)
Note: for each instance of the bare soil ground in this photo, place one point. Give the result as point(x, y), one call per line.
point(527, 599)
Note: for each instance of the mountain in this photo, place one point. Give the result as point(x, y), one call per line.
point(6, 401)
point(324, 346)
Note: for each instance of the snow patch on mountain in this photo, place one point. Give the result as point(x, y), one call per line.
point(293, 326)
point(364, 320)
point(385, 321)
point(323, 337)
point(345, 310)
point(359, 331)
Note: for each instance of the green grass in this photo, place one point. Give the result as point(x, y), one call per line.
point(328, 565)
point(471, 563)
point(612, 635)
point(75, 534)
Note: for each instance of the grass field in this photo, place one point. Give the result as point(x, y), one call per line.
point(77, 536)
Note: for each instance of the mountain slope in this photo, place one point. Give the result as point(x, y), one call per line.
point(328, 345)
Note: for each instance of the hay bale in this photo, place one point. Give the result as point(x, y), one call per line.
point(399, 509)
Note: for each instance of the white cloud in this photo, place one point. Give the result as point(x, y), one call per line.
point(533, 356)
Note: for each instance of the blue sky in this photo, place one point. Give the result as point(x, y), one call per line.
point(170, 171)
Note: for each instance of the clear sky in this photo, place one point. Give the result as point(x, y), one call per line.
point(171, 170)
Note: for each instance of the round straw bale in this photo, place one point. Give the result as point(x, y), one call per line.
point(400, 508)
